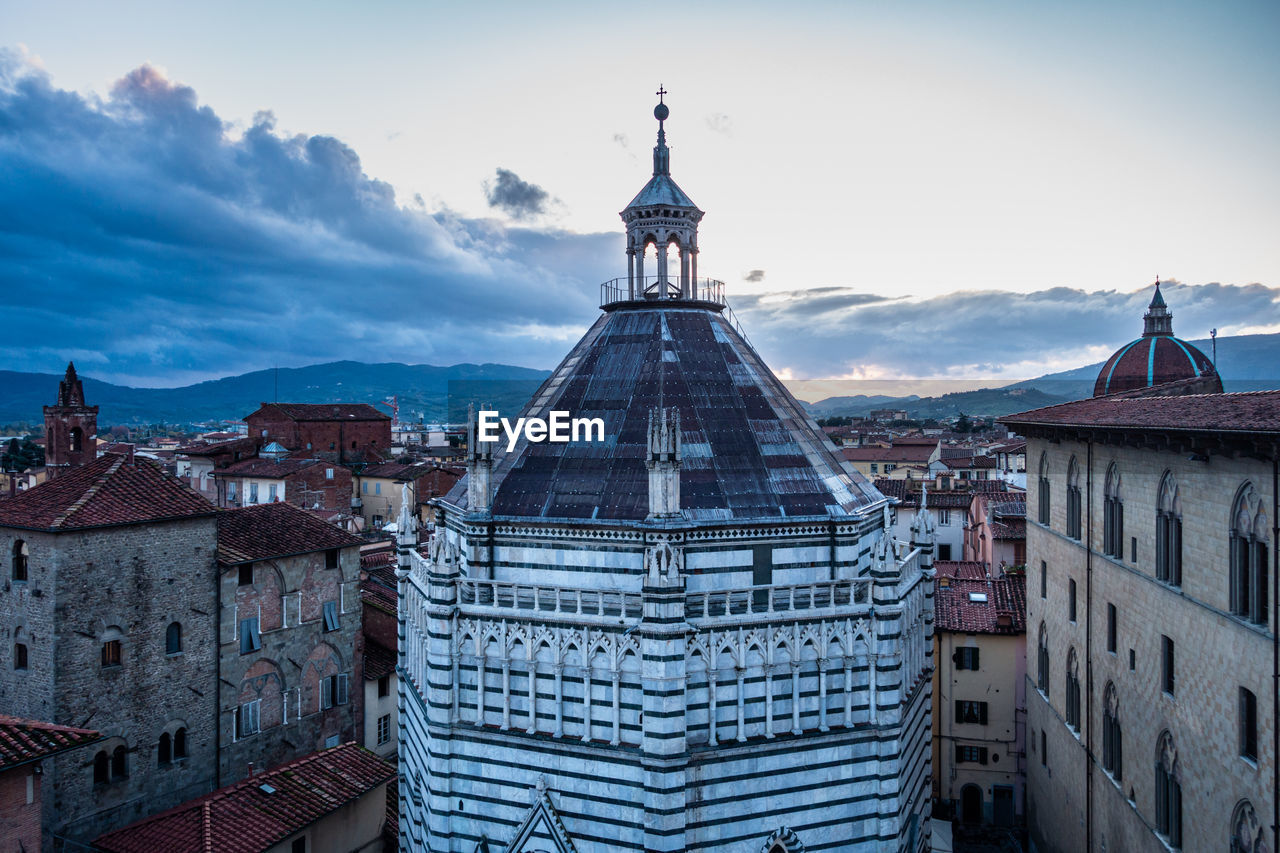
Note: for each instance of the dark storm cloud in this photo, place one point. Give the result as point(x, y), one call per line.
point(141, 237)
point(754, 275)
point(515, 197)
point(835, 332)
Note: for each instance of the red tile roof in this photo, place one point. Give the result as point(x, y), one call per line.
point(956, 610)
point(23, 741)
point(1249, 412)
point(107, 492)
point(266, 531)
point(247, 818)
point(1009, 529)
point(378, 660)
point(376, 592)
point(268, 469)
point(898, 453)
point(325, 411)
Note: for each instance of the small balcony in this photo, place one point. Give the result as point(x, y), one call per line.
point(653, 288)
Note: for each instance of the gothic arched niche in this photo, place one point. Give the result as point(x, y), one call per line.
point(783, 840)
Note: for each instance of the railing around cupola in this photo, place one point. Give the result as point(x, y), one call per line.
point(652, 288)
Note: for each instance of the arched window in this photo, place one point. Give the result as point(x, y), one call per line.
point(1112, 745)
point(173, 639)
point(1249, 550)
point(20, 554)
point(1113, 515)
point(19, 649)
point(166, 749)
point(1169, 532)
point(1042, 668)
point(1168, 791)
point(1042, 489)
point(101, 768)
point(1247, 833)
point(119, 763)
point(1073, 499)
point(180, 744)
point(75, 441)
point(1073, 691)
point(112, 646)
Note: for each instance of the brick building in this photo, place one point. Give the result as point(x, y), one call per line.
point(377, 490)
point(306, 483)
point(290, 644)
point(69, 426)
point(107, 616)
point(1151, 537)
point(337, 432)
point(25, 745)
point(979, 698)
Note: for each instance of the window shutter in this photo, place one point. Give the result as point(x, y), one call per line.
point(326, 693)
point(973, 659)
point(982, 713)
point(959, 711)
point(342, 690)
point(982, 755)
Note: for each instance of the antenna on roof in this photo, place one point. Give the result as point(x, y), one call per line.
point(1213, 336)
point(276, 399)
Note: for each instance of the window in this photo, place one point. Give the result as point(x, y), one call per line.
point(112, 647)
point(384, 729)
point(173, 639)
point(364, 488)
point(165, 751)
point(250, 641)
point(333, 691)
point(331, 615)
point(119, 763)
point(377, 488)
point(299, 845)
point(1248, 725)
point(179, 744)
point(1044, 749)
point(1111, 628)
point(328, 472)
point(253, 493)
point(1042, 489)
point(384, 686)
point(75, 440)
point(944, 516)
point(1248, 834)
point(20, 554)
point(1169, 532)
point(966, 657)
point(1112, 516)
point(1071, 599)
point(1166, 665)
point(971, 754)
point(331, 558)
point(101, 768)
point(1073, 691)
point(1073, 499)
point(1044, 579)
point(20, 656)
point(971, 712)
point(248, 718)
point(271, 492)
point(1112, 752)
point(1168, 792)
point(1042, 661)
point(246, 575)
point(875, 468)
point(1249, 593)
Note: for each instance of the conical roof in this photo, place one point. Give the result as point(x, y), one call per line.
point(749, 451)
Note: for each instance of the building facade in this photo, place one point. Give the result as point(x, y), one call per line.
point(336, 432)
point(698, 636)
point(69, 427)
point(1151, 622)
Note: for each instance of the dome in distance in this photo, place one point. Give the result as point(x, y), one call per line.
point(1157, 358)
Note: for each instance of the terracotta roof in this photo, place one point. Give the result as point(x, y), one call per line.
point(261, 811)
point(107, 492)
point(221, 447)
point(383, 554)
point(939, 498)
point(376, 592)
point(898, 453)
point(1009, 528)
point(1248, 412)
point(264, 531)
point(953, 569)
point(398, 470)
point(378, 660)
point(955, 608)
point(23, 741)
point(268, 469)
point(325, 411)
point(1153, 360)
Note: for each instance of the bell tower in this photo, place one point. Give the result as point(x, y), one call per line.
point(69, 426)
point(663, 216)
point(1159, 319)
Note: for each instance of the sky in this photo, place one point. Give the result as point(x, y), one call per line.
point(891, 189)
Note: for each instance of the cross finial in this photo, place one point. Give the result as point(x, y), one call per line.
point(661, 91)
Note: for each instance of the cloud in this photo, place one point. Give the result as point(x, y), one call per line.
point(519, 199)
point(720, 123)
point(754, 275)
point(833, 332)
point(140, 227)
point(621, 139)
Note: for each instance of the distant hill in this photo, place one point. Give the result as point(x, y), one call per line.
point(861, 403)
point(1245, 363)
point(423, 389)
point(986, 402)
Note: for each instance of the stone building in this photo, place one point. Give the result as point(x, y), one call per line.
point(69, 427)
point(337, 432)
point(25, 747)
point(107, 620)
point(1151, 536)
point(307, 483)
point(697, 634)
point(290, 655)
point(979, 696)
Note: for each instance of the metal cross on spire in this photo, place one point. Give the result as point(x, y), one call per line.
point(661, 91)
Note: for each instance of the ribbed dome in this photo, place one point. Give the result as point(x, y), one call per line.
point(1156, 358)
point(749, 450)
